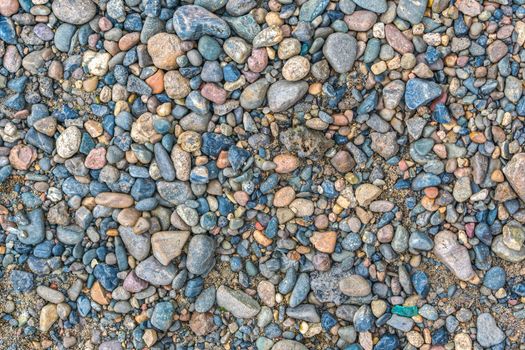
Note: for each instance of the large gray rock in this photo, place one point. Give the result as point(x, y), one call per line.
point(74, 11)
point(192, 21)
point(238, 303)
point(489, 334)
point(136, 245)
point(253, 95)
point(284, 94)
point(340, 50)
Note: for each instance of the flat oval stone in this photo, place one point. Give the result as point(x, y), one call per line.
point(74, 11)
point(355, 286)
point(284, 94)
point(114, 200)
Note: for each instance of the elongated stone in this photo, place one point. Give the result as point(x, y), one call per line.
point(454, 256)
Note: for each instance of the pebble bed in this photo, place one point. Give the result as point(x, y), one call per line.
point(263, 175)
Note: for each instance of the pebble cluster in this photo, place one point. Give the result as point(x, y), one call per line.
point(269, 175)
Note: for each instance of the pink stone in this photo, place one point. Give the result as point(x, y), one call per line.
point(258, 60)
point(398, 40)
point(251, 77)
point(9, 7)
point(22, 156)
point(214, 93)
point(360, 21)
point(96, 159)
point(104, 24)
point(12, 59)
point(469, 228)
point(133, 284)
point(92, 40)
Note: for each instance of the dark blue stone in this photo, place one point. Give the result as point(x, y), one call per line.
point(369, 103)
point(271, 229)
point(43, 250)
point(225, 206)
point(237, 157)
point(86, 143)
point(328, 321)
point(519, 289)
point(230, 72)
point(482, 232)
point(363, 318)
point(213, 144)
point(441, 114)
point(107, 276)
point(387, 342)
point(194, 287)
point(270, 183)
point(133, 23)
point(7, 30)
point(424, 180)
point(64, 112)
point(460, 27)
point(15, 101)
point(421, 283)
point(143, 188)
point(272, 331)
point(18, 84)
point(432, 55)
point(235, 264)
point(440, 336)
point(420, 92)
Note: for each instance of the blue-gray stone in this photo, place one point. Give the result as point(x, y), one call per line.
point(70, 235)
point(192, 21)
point(34, 232)
point(245, 26)
point(63, 36)
point(377, 6)
point(7, 30)
point(22, 281)
point(495, 278)
point(420, 92)
point(162, 316)
point(107, 276)
point(363, 319)
point(424, 180)
point(167, 171)
point(201, 254)
point(205, 300)
point(412, 10)
point(311, 9)
point(300, 290)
